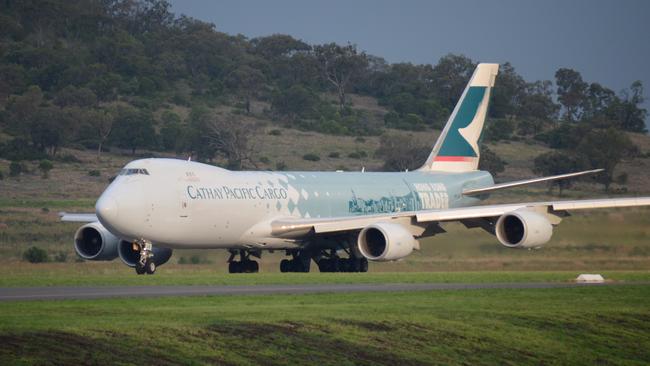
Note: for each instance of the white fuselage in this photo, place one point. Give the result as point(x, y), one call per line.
point(181, 204)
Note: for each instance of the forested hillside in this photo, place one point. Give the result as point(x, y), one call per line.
point(128, 74)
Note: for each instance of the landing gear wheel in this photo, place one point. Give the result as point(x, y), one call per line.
point(363, 265)
point(150, 267)
point(254, 267)
point(285, 265)
point(139, 269)
point(234, 267)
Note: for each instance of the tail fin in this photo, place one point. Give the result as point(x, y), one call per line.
point(457, 147)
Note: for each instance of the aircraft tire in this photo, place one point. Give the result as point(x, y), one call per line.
point(139, 269)
point(285, 265)
point(150, 267)
point(255, 267)
point(363, 265)
point(235, 267)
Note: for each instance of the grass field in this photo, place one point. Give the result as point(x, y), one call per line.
point(584, 326)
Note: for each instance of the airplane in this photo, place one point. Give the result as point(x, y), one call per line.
point(339, 220)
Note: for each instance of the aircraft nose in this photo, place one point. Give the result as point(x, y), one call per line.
point(106, 208)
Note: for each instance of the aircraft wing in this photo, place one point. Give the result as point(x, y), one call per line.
point(296, 227)
point(77, 217)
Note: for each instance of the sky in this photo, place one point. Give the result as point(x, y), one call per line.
point(606, 41)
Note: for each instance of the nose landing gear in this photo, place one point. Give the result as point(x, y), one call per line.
point(145, 263)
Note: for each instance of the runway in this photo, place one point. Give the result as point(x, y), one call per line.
point(102, 292)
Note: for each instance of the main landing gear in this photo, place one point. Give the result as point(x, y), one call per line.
point(300, 262)
point(245, 264)
point(145, 263)
point(329, 261)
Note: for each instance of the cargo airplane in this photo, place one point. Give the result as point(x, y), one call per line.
point(339, 220)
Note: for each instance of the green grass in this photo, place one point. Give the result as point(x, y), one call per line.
point(118, 275)
point(553, 326)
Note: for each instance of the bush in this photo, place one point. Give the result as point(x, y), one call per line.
point(69, 158)
point(311, 157)
point(94, 173)
point(15, 169)
point(61, 257)
point(35, 255)
point(45, 166)
point(265, 160)
point(359, 154)
point(334, 155)
point(280, 165)
point(360, 139)
point(275, 132)
point(2, 175)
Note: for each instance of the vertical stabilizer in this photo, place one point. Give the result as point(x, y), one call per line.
point(457, 147)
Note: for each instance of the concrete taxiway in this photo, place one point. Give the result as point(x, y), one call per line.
point(99, 292)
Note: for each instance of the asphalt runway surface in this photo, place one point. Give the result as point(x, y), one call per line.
point(102, 292)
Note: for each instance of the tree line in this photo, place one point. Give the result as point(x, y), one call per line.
point(102, 73)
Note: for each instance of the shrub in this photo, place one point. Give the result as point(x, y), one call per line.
point(94, 173)
point(15, 169)
point(265, 160)
point(69, 158)
point(275, 132)
point(357, 154)
point(2, 175)
point(45, 166)
point(360, 139)
point(61, 257)
point(334, 155)
point(35, 255)
point(311, 157)
point(280, 165)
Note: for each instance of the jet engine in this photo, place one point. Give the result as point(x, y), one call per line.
point(523, 229)
point(385, 242)
point(93, 242)
point(130, 257)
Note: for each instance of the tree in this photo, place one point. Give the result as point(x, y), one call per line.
point(171, 131)
point(571, 92)
point(195, 137)
point(605, 149)
point(490, 161)
point(297, 101)
point(555, 163)
point(628, 110)
point(508, 91)
point(133, 129)
point(449, 78)
point(246, 82)
point(537, 102)
point(401, 152)
point(339, 64)
point(101, 122)
point(229, 138)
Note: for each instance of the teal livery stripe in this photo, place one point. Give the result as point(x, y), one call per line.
point(455, 144)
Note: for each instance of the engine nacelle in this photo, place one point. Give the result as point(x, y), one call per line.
point(385, 242)
point(523, 229)
point(93, 242)
point(130, 257)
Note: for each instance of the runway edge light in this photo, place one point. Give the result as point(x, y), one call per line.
point(590, 278)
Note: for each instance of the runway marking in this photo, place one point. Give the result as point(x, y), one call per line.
point(101, 292)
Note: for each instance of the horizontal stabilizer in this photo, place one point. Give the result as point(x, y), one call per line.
point(496, 187)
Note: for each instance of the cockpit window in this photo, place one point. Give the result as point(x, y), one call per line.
point(132, 171)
